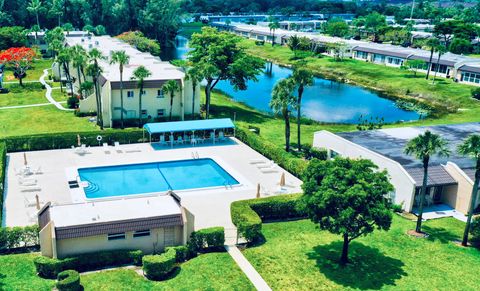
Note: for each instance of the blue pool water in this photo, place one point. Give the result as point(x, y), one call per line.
point(153, 177)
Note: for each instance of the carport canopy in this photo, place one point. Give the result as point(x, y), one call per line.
point(189, 125)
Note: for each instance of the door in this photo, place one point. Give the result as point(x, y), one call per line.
point(169, 237)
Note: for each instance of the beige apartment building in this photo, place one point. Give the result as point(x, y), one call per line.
point(155, 102)
point(450, 180)
point(147, 223)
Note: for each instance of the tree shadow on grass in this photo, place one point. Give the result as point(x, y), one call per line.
point(368, 268)
point(2, 284)
point(242, 114)
point(440, 234)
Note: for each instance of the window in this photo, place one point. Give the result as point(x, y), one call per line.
point(361, 55)
point(141, 233)
point(395, 61)
point(115, 236)
point(130, 94)
point(379, 58)
point(144, 112)
point(442, 69)
point(160, 112)
point(160, 93)
point(144, 92)
point(471, 77)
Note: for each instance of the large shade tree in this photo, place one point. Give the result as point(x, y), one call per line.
point(121, 58)
point(140, 74)
point(423, 147)
point(19, 59)
point(347, 197)
point(471, 147)
point(273, 25)
point(218, 56)
point(302, 77)
point(282, 102)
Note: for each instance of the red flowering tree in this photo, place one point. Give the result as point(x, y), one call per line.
point(19, 59)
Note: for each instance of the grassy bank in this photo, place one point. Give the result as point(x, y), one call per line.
point(298, 256)
point(451, 100)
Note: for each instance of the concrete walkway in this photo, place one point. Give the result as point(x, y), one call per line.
point(248, 269)
point(29, 105)
point(48, 94)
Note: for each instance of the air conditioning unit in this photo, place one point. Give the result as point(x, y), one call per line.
point(96, 42)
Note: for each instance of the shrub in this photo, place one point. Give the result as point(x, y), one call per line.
point(208, 239)
point(182, 253)
point(397, 208)
point(286, 160)
point(157, 267)
point(49, 267)
point(476, 93)
point(68, 139)
point(72, 102)
point(475, 232)
point(68, 280)
point(17, 237)
point(314, 153)
point(247, 215)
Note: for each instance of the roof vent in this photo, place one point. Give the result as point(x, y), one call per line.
point(96, 42)
point(90, 45)
point(83, 40)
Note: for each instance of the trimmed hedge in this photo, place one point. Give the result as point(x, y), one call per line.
point(247, 215)
point(286, 160)
point(182, 253)
point(158, 267)
point(18, 237)
point(49, 268)
point(66, 140)
point(68, 280)
point(208, 239)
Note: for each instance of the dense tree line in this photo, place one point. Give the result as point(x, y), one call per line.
point(159, 19)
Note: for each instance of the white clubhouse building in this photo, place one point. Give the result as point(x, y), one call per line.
point(155, 102)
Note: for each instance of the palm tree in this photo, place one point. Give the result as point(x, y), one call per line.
point(423, 147)
point(121, 58)
point(294, 44)
point(94, 70)
point(441, 49)
point(194, 76)
point(282, 102)
point(471, 147)
point(273, 25)
point(432, 43)
point(64, 58)
point(140, 74)
point(302, 77)
point(34, 7)
point(170, 87)
point(78, 61)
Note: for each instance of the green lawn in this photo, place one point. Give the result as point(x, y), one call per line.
point(42, 119)
point(34, 73)
point(214, 271)
point(298, 256)
point(444, 95)
point(31, 93)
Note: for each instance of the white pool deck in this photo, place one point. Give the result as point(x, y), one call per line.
point(210, 207)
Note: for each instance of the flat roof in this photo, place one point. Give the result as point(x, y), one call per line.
point(106, 45)
point(188, 125)
point(391, 142)
point(113, 210)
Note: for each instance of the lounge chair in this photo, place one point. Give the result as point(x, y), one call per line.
point(271, 169)
point(221, 136)
point(212, 136)
point(27, 181)
point(31, 201)
point(38, 170)
point(117, 147)
point(162, 140)
point(266, 165)
point(106, 148)
point(179, 140)
point(258, 161)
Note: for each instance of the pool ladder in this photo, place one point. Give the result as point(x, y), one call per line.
point(227, 185)
point(195, 155)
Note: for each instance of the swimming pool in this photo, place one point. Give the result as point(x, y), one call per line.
point(145, 178)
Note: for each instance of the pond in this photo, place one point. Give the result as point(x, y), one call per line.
point(325, 101)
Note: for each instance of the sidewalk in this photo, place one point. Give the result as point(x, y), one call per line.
point(248, 269)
